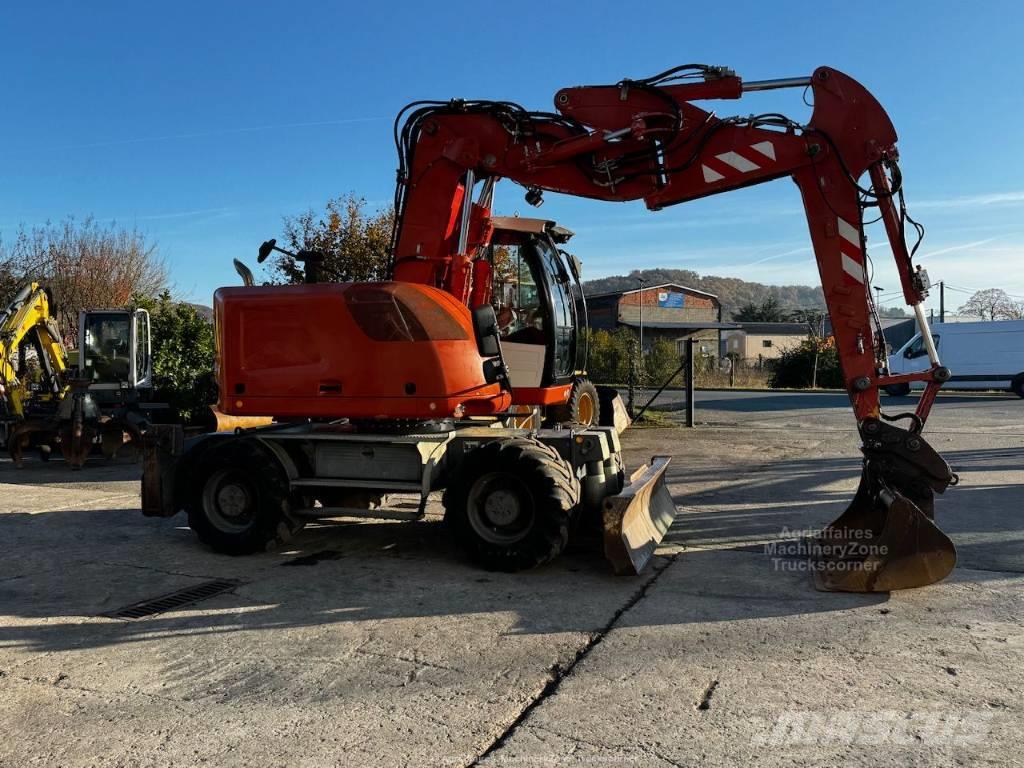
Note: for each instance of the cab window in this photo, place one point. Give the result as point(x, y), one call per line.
point(106, 347)
point(141, 346)
point(562, 310)
point(917, 348)
point(516, 296)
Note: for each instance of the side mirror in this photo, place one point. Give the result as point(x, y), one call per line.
point(265, 250)
point(485, 328)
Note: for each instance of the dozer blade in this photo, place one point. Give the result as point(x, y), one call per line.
point(637, 519)
point(886, 539)
point(613, 410)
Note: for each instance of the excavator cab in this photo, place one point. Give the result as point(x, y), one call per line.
point(115, 355)
point(539, 305)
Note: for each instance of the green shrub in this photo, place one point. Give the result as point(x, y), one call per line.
point(794, 368)
point(660, 362)
point(183, 355)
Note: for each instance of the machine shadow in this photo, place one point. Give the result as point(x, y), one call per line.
point(985, 519)
point(775, 401)
point(63, 569)
point(76, 566)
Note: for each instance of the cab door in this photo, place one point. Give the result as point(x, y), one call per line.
point(142, 360)
point(561, 312)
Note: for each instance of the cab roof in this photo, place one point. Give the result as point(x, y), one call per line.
point(532, 226)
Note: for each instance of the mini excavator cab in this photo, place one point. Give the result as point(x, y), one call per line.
point(115, 355)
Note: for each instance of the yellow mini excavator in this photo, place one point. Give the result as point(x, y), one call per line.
point(30, 395)
point(47, 402)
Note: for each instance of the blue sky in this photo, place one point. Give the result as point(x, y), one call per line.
point(203, 123)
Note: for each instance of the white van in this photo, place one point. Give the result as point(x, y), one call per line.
point(980, 355)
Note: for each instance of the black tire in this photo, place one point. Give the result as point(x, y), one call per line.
point(1018, 386)
point(238, 502)
point(511, 504)
point(583, 406)
point(898, 390)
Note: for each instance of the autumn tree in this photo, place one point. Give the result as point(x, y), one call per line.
point(992, 304)
point(85, 265)
point(355, 244)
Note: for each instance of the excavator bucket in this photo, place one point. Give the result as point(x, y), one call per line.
point(887, 538)
point(637, 519)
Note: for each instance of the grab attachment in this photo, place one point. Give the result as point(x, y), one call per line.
point(887, 538)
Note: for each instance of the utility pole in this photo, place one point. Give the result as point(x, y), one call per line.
point(942, 301)
point(640, 282)
point(640, 362)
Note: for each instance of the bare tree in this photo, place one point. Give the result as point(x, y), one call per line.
point(86, 266)
point(992, 304)
point(356, 246)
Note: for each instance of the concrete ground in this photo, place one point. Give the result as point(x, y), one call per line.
point(374, 643)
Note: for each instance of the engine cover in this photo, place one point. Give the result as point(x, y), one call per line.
point(387, 350)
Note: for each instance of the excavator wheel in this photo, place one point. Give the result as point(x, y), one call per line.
point(583, 406)
point(239, 501)
point(1018, 386)
point(511, 504)
point(898, 390)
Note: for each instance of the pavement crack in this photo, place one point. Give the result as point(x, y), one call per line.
point(154, 569)
point(560, 672)
point(422, 663)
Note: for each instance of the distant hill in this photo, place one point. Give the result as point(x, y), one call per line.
point(202, 310)
point(731, 291)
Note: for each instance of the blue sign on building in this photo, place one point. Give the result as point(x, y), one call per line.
point(670, 300)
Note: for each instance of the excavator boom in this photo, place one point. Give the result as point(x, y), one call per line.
point(645, 140)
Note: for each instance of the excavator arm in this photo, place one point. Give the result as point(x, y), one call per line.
point(645, 139)
point(27, 320)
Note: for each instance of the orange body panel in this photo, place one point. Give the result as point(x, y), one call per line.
point(359, 350)
point(556, 395)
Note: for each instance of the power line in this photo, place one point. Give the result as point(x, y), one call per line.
point(976, 290)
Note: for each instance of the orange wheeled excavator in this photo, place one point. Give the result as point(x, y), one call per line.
point(406, 384)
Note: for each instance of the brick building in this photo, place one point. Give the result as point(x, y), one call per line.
point(668, 311)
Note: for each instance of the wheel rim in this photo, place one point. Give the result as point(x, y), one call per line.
point(500, 508)
point(586, 409)
point(229, 501)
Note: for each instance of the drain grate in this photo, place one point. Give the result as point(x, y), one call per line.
point(178, 599)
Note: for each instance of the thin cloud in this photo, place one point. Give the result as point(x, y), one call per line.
point(669, 220)
point(173, 215)
point(218, 132)
point(973, 201)
point(956, 248)
point(214, 213)
point(792, 252)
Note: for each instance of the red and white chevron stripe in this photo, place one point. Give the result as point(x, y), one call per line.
point(738, 161)
point(850, 250)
